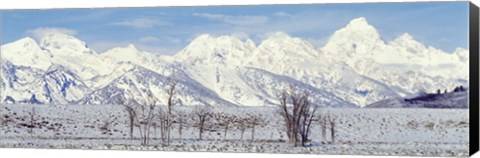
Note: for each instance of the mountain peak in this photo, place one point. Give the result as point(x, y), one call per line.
point(361, 21)
point(131, 46)
point(127, 52)
point(207, 40)
point(210, 48)
point(47, 39)
point(202, 38)
point(26, 42)
point(357, 36)
point(405, 37)
point(280, 38)
point(406, 40)
point(360, 26)
point(64, 43)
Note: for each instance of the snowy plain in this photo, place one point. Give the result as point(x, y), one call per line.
point(412, 132)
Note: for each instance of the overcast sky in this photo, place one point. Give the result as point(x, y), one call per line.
point(166, 30)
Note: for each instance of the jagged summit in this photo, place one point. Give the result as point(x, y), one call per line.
point(282, 38)
point(405, 37)
point(210, 40)
point(282, 48)
point(358, 36)
point(130, 48)
point(26, 43)
point(407, 40)
point(64, 43)
point(359, 29)
point(358, 22)
point(216, 49)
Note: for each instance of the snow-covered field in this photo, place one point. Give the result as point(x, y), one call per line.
point(430, 132)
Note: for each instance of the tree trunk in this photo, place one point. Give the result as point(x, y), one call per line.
point(332, 132)
point(200, 132)
point(253, 133)
point(131, 128)
point(180, 126)
point(225, 132)
point(242, 131)
point(168, 127)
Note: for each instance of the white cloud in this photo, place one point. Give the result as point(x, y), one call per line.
point(282, 14)
point(39, 32)
point(140, 23)
point(235, 20)
point(149, 39)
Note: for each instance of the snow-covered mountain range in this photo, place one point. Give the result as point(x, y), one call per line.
point(355, 68)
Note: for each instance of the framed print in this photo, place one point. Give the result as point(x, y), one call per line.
point(388, 79)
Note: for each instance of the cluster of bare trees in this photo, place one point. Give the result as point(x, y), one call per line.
point(146, 114)
point(296, 109)
point(299, 113)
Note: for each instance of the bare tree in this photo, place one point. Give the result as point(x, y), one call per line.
point(202, 113)
point(170, 93)
point(298, 113)
point(132, 116)
point(162, 115)
point(331, 119)
point(32, 115)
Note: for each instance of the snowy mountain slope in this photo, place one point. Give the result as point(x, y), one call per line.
point(134, 84)
point(17, 81)
point(55, 85)
point(270, 86)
